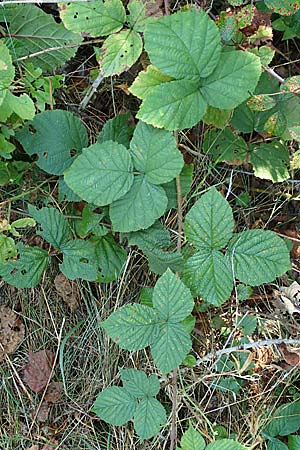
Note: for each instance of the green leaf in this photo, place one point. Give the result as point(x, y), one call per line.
point(116, 130)
point(146, 297)
point(233, 80)
point(65, 193)
point(246, 324)
point(258, 256)
point(170, 346)
point(33, 32)
point(209, 223)
point(97, 17)
point(54, 227)
point(148, 417)
point(173, 105)
point(119, 52)
point(294, 442)
point(138, 384)
point(208, 274)
point(111, 258)
point(159, 261)
point(151, 238)
point(283, 7)
point(80, 260)
point(7, 70)
point(192, 440)
point(147, 80)
point(7, 249)
point(27, 270)
point(271, 161)
point(101, 174)
point(186, 179)
point(139, 208)
point(284, 421)
point(191, 46)
point(115, 405)
point(217, 117)
point(132, 327)
point(22, 105)
point(155, 154)
point(224, 145)
point(54, 136)
point(243, 119)
point(225, 444)
point(276, 444)
point(171, 298)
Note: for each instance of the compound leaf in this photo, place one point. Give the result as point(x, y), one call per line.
point(258, 256)
point(120, 51)
point(147, 80)
point(55, 137)
point(170, 346)
point(271, 161)
point(233, 80)
point(54, 227)
point(154, 153)
point(139, 208)
point(191, 44)
point(173, 105)
point(138, 384)
point(116, 130)
point(80, 260)
point(33, 32)
point(115, 405)
point(132, 327)
point(208, 274)
point(148, 417)
point(209, 223)
point(192, 440)
point(101, 174)
point(97, 17)
point(27, 270)
point(171, 298)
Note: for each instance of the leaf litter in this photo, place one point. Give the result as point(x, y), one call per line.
point(12, 331)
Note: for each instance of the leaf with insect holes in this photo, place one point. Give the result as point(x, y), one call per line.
point(111, 258)
point(119, 52)
point(55, 137)
point(80, 260)
point(54, 226)
point(7, 248)
point(224, 145)
point(139, 207)
point(33, 32)
point(101, 174)
point(96, 18)
point(271, 161)
point(154, 153)
point(192, 440)
point(27, 270)
point(258, 256)
point(136, 326)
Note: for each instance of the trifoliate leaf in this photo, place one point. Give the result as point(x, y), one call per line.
point(119, 52)
point(271, 161)
point(101, 174)
point(35, 34)
point(139, 208)
point(159, 261)
point(138, 384)
point(208, 274)
point(192, 440)
point(191, 44)
point(115, 405)
point(171, 298)
point(56, 137)
point(80, 260)
point(116, 130)
point(233, 80)
point(223, 145)
point(147, 80)
point(155, 154)
point(209, 223)
point(258, 256)
point(148, 417)
point(97, 17)
point(54, 226)
point(27, 270)
point(132, 327)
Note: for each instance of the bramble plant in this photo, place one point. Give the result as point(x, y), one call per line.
point(114, 190)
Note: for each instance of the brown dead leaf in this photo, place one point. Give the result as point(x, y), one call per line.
point(50, 447)
point(68, 290)
point(54, 391)
point(12, 331)
point(291, 357)
point(41, 413)
point(37, 371)
point(34, 447)
point(290, 297)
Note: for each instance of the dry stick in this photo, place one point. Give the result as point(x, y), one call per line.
point(274, 74)
point(84, 102)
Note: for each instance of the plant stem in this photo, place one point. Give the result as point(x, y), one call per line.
point(17, 197)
